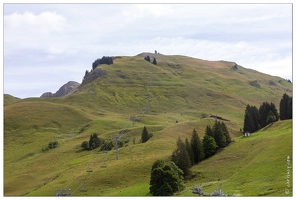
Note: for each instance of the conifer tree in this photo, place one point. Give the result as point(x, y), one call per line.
point(147, 58)
point(264, 110)
point(290, 109)
point(252, 119)
point(145, 135)
point(286, 107)
point(220, 138)
point(154, 61)
point(189, 150)
point(196, 147)
point(209, 131)
point(226, 133)
point(181, 158)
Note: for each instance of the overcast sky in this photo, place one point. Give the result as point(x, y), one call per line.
point(47, 45)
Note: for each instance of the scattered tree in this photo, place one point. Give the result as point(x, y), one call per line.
point(154, 61)
point(147, 58)
point(145, 135)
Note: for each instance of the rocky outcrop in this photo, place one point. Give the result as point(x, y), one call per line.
point(47, 94)
point(63, 91)
point(96, 73)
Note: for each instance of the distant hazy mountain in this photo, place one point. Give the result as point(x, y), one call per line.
point(63, 91)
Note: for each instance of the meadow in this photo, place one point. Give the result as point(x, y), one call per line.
point(170, 99)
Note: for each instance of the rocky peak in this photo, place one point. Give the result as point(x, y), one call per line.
point(63, 91)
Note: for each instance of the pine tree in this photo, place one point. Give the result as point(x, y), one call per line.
point(189, 150)
point(226, 133)
point(209, 131)
point(286, 107)
point(248, 122)
point(181, 158)
point(220, 138)
point(145, 135)
point(196, 147)
point(154, 61)
point(147, 58)
point(252, 119)
point(290, 109)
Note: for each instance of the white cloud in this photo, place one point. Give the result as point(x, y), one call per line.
point(140, 11)
point(45, 22)
point(30, 31)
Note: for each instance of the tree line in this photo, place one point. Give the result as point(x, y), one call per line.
point(167, 177)
point(267, 113)
point(190, 153)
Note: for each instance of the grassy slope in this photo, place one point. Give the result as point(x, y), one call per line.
point(251, 166)
point(179, 88)
point(8, 99)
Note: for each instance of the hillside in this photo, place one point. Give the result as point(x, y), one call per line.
point(178, 88)
point(8, 99)
point(251, 166)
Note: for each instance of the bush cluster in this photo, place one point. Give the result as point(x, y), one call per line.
point(104, 60)
point(51, 145)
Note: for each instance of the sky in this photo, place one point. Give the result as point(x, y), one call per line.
point(47, 45)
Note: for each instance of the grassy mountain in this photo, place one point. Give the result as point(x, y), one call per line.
point(178, 89)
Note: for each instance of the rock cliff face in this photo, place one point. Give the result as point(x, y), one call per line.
point(96, 73)
point(63, 91)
